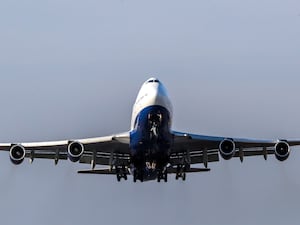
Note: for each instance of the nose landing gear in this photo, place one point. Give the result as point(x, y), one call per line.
point(155, 121)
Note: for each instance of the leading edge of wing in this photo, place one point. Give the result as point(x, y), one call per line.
point(220, 138)
point(123, 138)
point(213, 141)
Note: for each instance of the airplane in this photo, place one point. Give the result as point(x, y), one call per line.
point(150, 150)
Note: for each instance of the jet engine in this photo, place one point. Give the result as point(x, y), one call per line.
point(227, 148)
point(17, 154)
point(75, 151)
point(282, 150)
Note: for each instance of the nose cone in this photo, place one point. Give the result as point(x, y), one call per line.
point(158, 95)
point(157, 89)
point(153, 92)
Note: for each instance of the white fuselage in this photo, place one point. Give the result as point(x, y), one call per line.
point(152, 93)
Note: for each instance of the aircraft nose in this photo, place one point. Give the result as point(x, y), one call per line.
point(159, 96)
point(157, 88)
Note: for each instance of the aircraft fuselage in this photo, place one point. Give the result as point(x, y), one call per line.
point(150, 136)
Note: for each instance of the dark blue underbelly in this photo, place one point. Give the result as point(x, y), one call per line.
point(151, 139)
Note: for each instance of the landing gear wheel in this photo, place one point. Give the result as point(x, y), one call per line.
point(183, 176)
point(138, 175)
point(178, 172)
point(134, 176)
point(162, 175)
point(166, 175)
point(141, 175)
point(118, 177)
point(181, 172)
point(159, 175)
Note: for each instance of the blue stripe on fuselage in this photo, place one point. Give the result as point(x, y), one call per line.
point(144, 145)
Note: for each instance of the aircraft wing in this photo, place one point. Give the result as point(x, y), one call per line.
point(99, 150)
point(203, 149)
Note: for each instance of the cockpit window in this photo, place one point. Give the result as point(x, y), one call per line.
point(153, 81)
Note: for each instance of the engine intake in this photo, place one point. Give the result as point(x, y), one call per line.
point(75, 151)
point(227, 148)
point(17, 154)
point(282, 150)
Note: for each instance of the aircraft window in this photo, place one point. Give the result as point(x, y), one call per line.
point(153, 81)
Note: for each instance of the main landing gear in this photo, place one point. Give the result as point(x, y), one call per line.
point(138, 174)
point(121, 172)
point(162, 175)
point(181, 172)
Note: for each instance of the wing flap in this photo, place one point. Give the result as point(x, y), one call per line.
point(256, 152)
point(193, 157)
point(106, 159)
point(47, 155)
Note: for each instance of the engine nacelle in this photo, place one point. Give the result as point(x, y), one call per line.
point(282, 150)
point(17, 154)
point(227, 148)
point(75, 151)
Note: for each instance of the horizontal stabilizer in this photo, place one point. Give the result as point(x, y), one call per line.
point(100, 171)
point(113, 172)
point(190, 170)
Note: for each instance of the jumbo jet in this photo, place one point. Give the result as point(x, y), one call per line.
point(151, 150)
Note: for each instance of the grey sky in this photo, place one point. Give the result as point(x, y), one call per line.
point(72, 69)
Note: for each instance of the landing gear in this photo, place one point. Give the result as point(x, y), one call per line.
point(118, 177)
point(134, 176)
point(181, 172)
point(162, 175)
point(184, 176)
point(121, 172)
point(138, 174)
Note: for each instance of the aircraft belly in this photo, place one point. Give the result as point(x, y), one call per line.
point(151, 139)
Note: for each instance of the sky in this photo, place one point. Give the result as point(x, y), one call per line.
point(72, 69)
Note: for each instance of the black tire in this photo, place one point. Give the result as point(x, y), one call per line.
point(118, 177)
point(134, 176)
point(184, 176)
point(142, 176)
point(166, 175)
point(159, 175)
